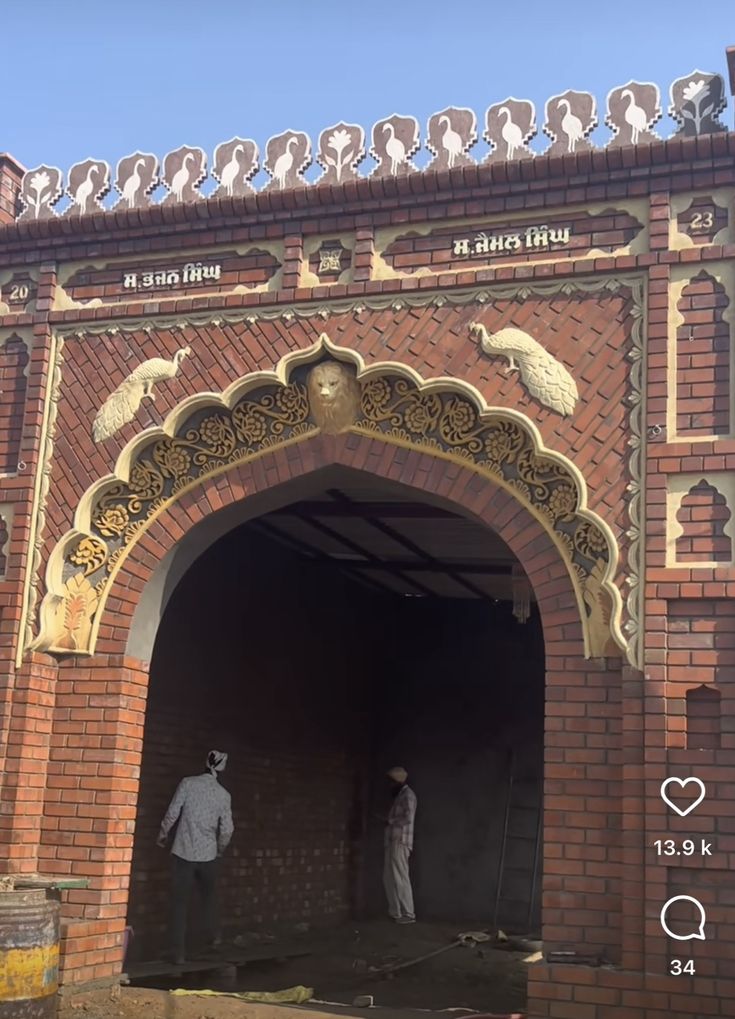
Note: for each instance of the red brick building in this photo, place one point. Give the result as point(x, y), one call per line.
point(238, 431)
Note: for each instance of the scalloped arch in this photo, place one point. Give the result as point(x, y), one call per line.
point(208, 433)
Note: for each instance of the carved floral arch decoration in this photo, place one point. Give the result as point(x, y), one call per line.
point(208, 433)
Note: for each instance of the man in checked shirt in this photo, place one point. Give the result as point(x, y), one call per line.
point(398, 846)
point(202, 808)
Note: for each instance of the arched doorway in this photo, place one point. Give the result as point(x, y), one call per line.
point(353, 625)
point(137, 532)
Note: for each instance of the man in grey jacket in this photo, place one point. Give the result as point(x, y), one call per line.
point(202, 808)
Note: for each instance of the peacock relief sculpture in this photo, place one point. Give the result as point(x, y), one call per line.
point(122, 405)
point(543, 376)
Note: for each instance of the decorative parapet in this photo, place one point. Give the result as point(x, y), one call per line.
point(632, 110)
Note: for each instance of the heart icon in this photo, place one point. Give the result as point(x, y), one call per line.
point(683, 782)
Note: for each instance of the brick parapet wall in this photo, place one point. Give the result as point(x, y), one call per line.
point(11, 174)
point(464, 192)
point(675, 165)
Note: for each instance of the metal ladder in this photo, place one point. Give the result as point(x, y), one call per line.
point(519, 865)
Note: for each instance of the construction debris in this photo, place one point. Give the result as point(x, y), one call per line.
point(468, 938)
point(290, 996)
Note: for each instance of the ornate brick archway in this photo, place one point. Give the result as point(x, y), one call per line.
point(209, 434)
point(214, 451)
point(469, 493)
point(111, 688)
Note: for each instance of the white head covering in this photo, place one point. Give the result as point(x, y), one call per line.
point(398, 774)
point(216, 761)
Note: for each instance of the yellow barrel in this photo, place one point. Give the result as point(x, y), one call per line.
point(29, 955)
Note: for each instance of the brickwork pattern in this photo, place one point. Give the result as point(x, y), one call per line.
point(293, 728)
point(587, 329)
point(291, 857)
point(704, 719)
point(703, 360)
point(13, 384)
point(107, 284)
point(700, 650)
point(607, 232)
point(703, 516)
point(99, 715)
point(3, 546)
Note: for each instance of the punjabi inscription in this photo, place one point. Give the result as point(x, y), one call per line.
point(193, 272)
point(535, 238)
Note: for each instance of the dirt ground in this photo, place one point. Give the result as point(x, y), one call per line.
point(339, 967)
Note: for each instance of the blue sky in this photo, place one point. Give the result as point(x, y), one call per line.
point(102, 79)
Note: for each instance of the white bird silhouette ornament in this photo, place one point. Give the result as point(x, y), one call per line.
point(284, 162)
point(543, 376)
point(635, 116)
point(122, 405)
point(510, 132)
point(132, 184)
point(572, 126)
point(451, 141)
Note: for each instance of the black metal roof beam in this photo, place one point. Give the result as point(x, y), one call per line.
point(478, 569)
point(412, 547)
point(395, 510)
point(320, 557)
point(359, 550)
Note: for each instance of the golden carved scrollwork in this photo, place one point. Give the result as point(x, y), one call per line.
point(267, 410)
point(449, 423)
point(171, 464)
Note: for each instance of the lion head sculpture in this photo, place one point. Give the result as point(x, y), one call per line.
point(334, 396)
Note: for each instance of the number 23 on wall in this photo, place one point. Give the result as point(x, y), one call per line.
point(702, 220)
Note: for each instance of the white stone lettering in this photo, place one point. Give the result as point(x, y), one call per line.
point(559, 236)
point(193, 272)
point(535, 238)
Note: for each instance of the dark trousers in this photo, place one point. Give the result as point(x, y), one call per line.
point(184, 873)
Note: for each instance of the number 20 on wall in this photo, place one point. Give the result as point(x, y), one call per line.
point(18, 292)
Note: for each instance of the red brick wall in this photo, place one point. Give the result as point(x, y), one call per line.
point(13, 383)
point(700, 650)
point(704, 718)
point(10, 177)
point(284, 693)
point(3, 546)
point(100, 710)
point(703, 516)
point(584, 331)
point(703, 360)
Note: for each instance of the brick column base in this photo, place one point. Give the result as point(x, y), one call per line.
point(585, 992)
point(90, 804)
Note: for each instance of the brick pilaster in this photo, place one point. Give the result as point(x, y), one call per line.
point(11, 174)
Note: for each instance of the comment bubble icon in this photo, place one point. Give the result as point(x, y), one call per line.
point(694, 935)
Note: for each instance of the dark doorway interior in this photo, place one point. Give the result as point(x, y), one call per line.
point(316, 675)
